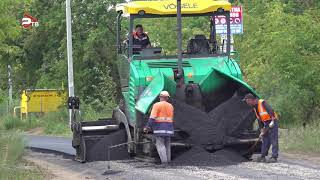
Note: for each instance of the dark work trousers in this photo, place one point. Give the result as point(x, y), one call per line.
point(270, 139)
point(163, 148)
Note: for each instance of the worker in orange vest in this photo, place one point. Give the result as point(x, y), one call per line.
point(269, 132)
point(161, 123)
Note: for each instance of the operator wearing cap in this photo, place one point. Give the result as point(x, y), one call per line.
point(269, 132)
point(161, 123)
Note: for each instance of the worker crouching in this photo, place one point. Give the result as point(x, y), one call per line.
point(269, 132)
point(161, 123)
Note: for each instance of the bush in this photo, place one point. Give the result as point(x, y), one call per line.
point(89, 113)
point(55, 123)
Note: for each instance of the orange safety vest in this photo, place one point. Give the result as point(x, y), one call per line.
point(262, 113)
point(162, 112)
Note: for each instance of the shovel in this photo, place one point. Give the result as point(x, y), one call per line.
point(252, 148)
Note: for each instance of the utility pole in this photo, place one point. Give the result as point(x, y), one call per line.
point(10, 87)
point(69, 53)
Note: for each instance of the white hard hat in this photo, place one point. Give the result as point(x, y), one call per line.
point(164, 94)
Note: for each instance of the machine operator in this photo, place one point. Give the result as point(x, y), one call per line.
point(140, 38)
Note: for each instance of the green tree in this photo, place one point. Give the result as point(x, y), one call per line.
point(10, 30)
point(279, 52)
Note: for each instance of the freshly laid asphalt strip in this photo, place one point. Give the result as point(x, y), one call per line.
point(59, 144)
point(63, 145)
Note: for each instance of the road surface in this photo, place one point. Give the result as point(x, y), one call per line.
point(51, 143)
point(218, 166)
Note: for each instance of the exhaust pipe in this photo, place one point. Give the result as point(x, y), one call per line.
point(97, 128)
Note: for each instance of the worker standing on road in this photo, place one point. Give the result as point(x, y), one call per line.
point(161, 123)
point(269, 132)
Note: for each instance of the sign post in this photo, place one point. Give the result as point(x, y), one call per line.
point(69, 53)
point(10, 87)
point(236, 26)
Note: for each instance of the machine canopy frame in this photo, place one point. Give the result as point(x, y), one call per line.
point(169, 7)
point(160, 9)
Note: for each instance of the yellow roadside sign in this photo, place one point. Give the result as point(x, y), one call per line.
point(42, 100)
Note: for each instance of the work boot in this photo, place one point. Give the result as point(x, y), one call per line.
point(261, 159)
point(163, 165)
point(272, 160)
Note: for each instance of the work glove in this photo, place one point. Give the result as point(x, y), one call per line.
point(271, 124)
point(262, 132)
point(146, 130)
point(261, 135)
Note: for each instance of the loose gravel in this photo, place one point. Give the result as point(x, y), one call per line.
point(133, 169)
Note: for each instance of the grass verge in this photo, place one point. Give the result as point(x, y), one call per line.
point(53, 123)
point(11, 164)
point(301, 140)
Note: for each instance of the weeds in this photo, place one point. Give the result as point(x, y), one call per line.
point(53, 123)
point(11, 151)
point(302, 139)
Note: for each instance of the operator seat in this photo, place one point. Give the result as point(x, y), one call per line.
point(198, 45)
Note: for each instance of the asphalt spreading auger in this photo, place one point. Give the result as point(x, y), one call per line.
point(205, 84)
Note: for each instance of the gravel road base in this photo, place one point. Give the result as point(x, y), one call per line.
point(212, 167)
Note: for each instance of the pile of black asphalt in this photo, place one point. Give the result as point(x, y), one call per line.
point(228, 119)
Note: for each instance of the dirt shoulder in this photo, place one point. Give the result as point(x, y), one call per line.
point(36, 131)
point(53, 171)
point(312, 159)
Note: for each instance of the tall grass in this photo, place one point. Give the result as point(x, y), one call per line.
point(11, 151)
point(57, 123)
point(9, 122)
point(300, 139)
point(53, 123)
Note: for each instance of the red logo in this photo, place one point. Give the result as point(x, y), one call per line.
point(28, 21)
